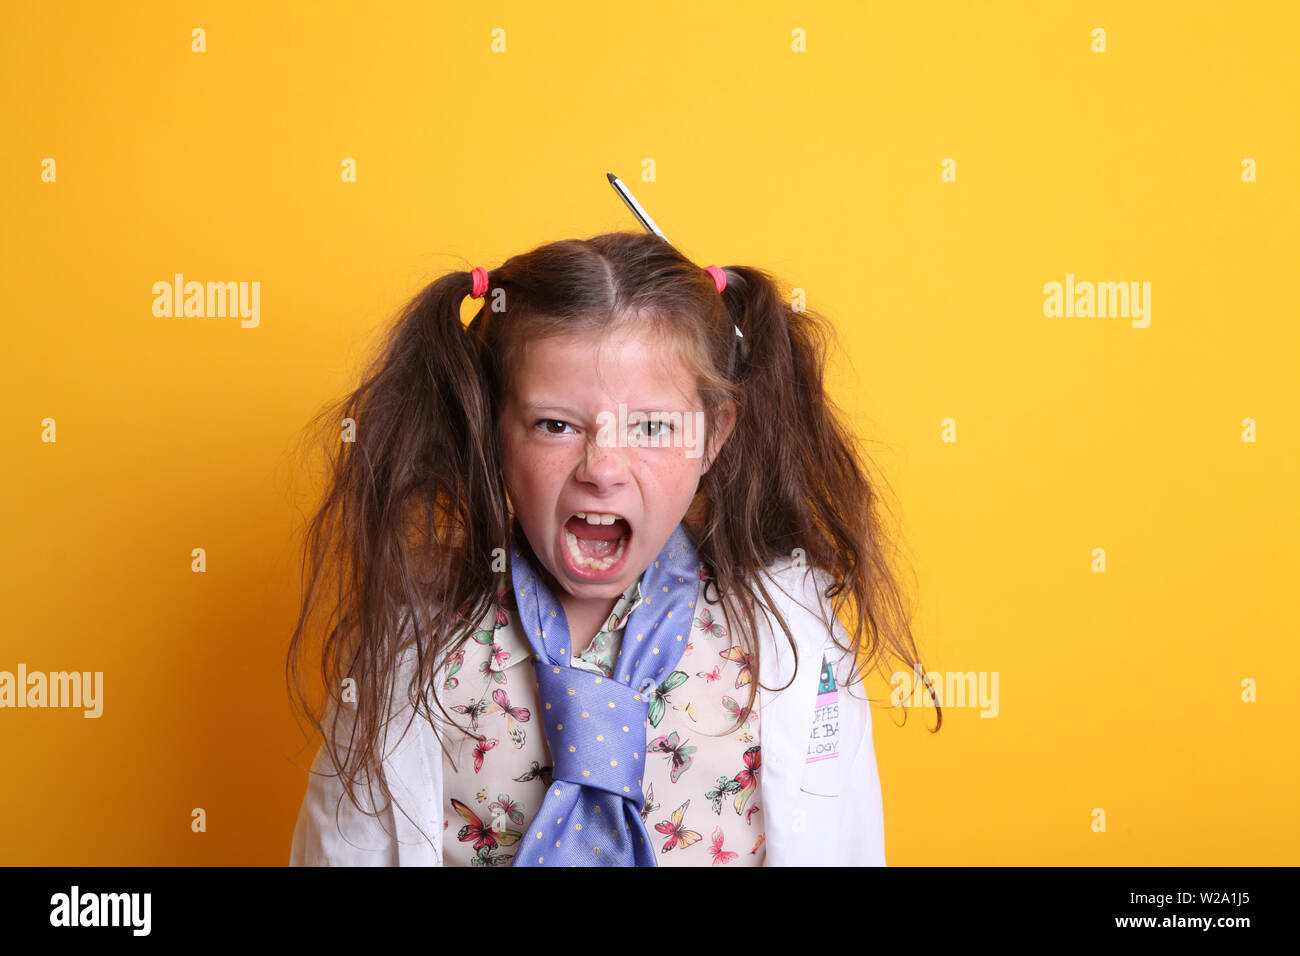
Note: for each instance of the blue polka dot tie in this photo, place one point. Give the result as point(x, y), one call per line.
point(594, 725)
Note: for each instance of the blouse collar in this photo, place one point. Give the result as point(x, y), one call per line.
point(510, 645)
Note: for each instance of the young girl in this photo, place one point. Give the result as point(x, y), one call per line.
point(583, 564)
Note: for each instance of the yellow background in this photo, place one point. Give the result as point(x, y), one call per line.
point(1119, 691)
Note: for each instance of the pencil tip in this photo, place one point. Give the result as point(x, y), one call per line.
point(611, 177)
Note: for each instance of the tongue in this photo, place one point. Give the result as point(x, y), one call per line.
point(597, 540)
point(596, 532)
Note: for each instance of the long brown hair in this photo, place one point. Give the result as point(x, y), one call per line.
point(399, 556)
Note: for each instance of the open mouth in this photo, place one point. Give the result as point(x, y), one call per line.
point(595, 541)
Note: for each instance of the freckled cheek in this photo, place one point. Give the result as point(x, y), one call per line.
point(668, 477)
point(533, 475)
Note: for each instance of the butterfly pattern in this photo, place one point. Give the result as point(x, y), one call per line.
point(481, 834)
point(676, 830)
point(453, 667)
point(720, 855)
point(700, 784)
point(680, 756)
point(514, 716)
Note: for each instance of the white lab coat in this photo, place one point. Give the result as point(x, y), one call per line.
point(802, 828)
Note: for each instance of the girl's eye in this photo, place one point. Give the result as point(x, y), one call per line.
point(659, 427)
point(544, 424)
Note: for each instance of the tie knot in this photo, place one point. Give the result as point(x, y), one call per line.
point(595, 728)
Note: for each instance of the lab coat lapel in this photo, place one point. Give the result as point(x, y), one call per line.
point(785, 718)
point(415, 778)
point(417, 786)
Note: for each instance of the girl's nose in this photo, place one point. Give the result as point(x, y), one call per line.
point(602, 464)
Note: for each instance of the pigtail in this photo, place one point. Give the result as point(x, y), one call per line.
point(792, 481)
point(398, 559)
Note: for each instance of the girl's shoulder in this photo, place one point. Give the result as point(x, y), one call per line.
point(803, 585)
point(809, 612)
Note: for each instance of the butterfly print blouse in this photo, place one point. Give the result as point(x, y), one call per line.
point(700, 783)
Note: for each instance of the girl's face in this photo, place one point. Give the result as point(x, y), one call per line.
point(567, 450)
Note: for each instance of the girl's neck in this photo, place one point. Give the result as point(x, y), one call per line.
point(585, 616)
point(585, 619)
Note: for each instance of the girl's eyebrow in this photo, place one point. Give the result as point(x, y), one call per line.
point(540, 406)
point(550, 407)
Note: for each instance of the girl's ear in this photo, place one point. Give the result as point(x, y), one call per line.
point(726, 420)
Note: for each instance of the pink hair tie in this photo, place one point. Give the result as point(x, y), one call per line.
point(480, 281)
point(719, 277)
